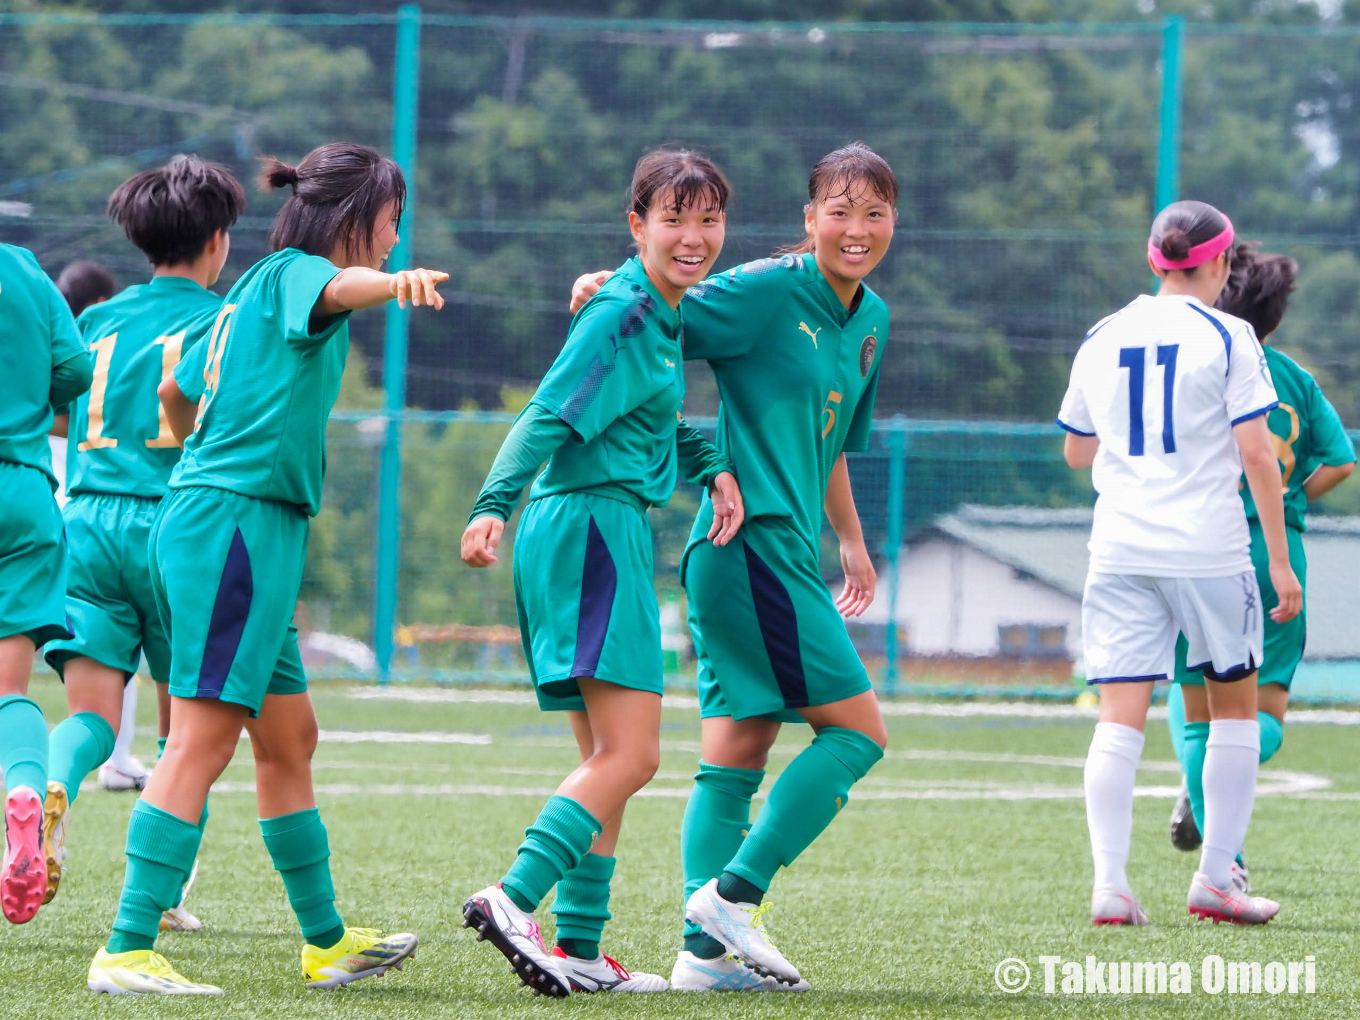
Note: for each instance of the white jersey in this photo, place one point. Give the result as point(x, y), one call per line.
point(1162, 382)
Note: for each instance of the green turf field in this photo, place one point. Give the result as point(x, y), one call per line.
point(967, 846)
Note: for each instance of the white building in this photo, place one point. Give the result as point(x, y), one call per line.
point(1007, 581)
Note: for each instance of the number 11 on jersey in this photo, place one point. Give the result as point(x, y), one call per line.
point(1134, 359)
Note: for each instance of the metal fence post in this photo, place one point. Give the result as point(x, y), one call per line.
point(897, 490)
point(406, 92)
point(1169, 133)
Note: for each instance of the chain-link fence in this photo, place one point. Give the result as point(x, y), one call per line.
point(1030, 158)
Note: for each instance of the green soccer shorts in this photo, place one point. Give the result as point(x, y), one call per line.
point(33, 557)
point(766, 630)
point(109, 600)
point(586, 597)
point(1284, 642)
point(226, 570)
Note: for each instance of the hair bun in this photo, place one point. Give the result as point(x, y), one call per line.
point(277, 174)
point(1175, 244)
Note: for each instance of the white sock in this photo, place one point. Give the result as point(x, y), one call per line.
point(122, 747)
point(1111, 766)
point(1230, 765)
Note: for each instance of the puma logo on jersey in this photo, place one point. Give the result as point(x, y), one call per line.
point(804, 327)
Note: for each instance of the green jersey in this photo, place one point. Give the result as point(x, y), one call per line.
point(269, 375)
point(38, 338)
point(797, 373)
point(120, 440)
point(1307, 433)
point(619, 383)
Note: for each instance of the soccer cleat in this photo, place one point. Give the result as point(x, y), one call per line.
point(363, 952)
point(1231, 904)
point(725, 974)
point(604, 974)
point(55, 811)
point(740, 927)
point(129, 774)
point(496, 919)
point(178, 918)
point(23, 876)
point(1110, 906)
point(140, 972)
point(1184, 832)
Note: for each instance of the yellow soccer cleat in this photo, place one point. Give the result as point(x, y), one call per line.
point(141, 972)
point(363, 952)
point(55, 810)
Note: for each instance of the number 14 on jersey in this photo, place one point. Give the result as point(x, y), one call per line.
point(1135, 360)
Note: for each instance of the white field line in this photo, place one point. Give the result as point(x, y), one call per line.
point(1271, 782)
point(944, 710)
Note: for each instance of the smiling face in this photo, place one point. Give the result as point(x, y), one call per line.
point(678, 246)
point(851, 232)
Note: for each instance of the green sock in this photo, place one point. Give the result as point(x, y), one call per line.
point(802, 803)
point(301, 854)
point(1192, 764)
point(561, 835)
point(202, 824)
point(1272, 735)
point(160, 850)
point(716, 819)
point(582, 906)
point(1175, 720)
point(23, 744)
point(77, 745)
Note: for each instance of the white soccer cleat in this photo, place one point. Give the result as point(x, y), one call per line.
point(177, 918)
point(740, 928)
point(126, 775)
point(1232, 904)
point(725, 974)
point(604, 974)
point(1110, 906)
point(496, 919)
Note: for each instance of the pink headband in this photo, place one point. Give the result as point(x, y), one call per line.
point(1199, 254)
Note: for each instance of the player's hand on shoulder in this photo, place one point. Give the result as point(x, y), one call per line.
point(480, 539)
point(860, 579)
point(729, 511)
point(418, 287)
point(586, 287)
point(1289, 592)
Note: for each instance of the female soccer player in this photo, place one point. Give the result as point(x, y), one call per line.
point(795, 343)
point(1168, 401)
point(42, 364)
point(607, 419)
point(228, 546)
point(1315, 456)
point(119, 464)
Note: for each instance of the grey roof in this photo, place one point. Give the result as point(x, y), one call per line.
point(1050, 545)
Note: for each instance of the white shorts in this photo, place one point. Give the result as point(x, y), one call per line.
point(1129, 626)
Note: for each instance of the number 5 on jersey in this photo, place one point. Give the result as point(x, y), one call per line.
point(1135, 360)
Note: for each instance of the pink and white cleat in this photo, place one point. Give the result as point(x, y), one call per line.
point(1232, 904)
point(605, 974)
point(1110, 906)
point(496, 919)
point(23, 876)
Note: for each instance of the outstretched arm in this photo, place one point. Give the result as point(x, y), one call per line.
point(358, 287)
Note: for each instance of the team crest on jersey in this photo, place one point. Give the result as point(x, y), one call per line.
point(866, 355)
